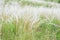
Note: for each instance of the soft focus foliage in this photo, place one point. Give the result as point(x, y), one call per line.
point(25, 20)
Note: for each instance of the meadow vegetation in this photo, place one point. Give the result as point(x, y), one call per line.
point(46, 27)
point(23, 29)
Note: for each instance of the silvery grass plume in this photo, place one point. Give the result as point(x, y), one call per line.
point(19, 22)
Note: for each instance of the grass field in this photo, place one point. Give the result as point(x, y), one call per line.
point(46, 27)
point(25, 29)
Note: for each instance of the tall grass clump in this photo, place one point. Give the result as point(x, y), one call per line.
point(17, 29)
point(24, 29)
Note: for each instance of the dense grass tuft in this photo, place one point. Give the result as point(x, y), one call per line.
point(21, 29)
